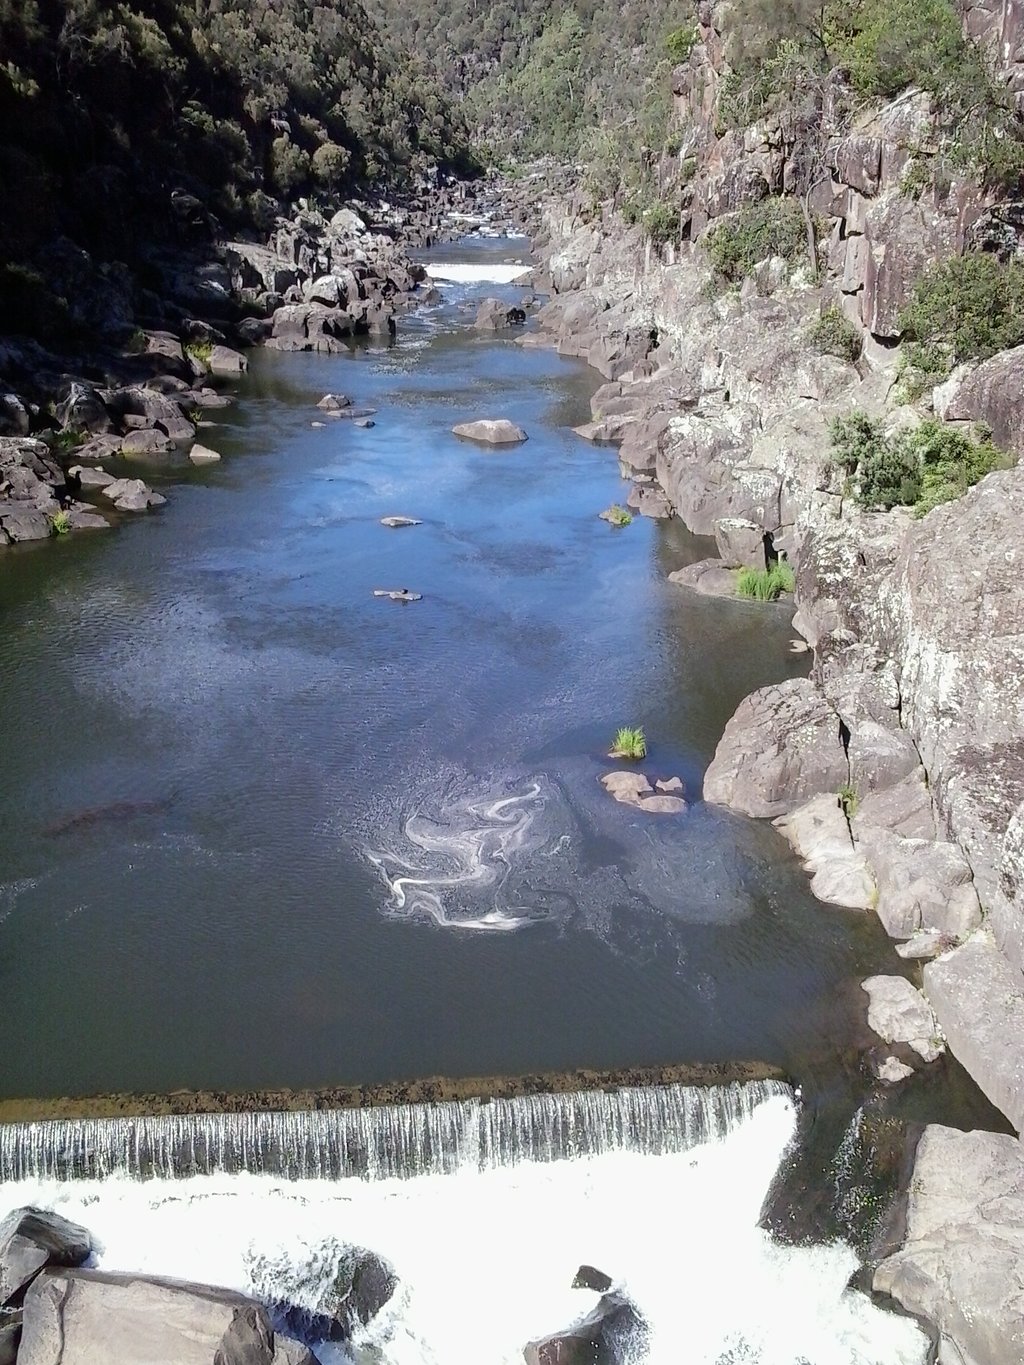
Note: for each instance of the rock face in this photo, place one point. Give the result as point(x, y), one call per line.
point(782, 747)
point(83, 1317)
point(30, 483)
point(820, 834)
point(490, 432)
point(32, 1239)
point(959, 1266)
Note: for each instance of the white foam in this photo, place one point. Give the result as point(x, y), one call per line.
point(485, 1258)
point(460, 273)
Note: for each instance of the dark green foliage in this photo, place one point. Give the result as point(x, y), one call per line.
point(972, 305)
point(681, 42)
point(105, 108)
point(834, 334)
point(920, 468)
point(888, 45)
point(774, 227)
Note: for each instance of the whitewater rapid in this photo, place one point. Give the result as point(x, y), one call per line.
point(486, 1256)
point(457, 272)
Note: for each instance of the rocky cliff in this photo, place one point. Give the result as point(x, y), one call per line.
point(897, 769)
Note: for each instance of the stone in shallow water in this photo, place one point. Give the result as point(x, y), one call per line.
point(334, 402)
point(398, 594)
point(90, 478)
point(395, 522)
point(670, 784)
point(890, 1070)
point(491, 432)
point(626, 787)
point(203, 455)
point(663, 805)
point(899, 1013)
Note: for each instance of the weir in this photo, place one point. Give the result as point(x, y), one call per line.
point(385, 1141)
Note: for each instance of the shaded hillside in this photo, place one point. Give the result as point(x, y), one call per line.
point(536, 77)
point(105, 109)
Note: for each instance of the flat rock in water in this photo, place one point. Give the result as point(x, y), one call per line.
point(334, 402)
point(80, 520)
point(395, 522)
point(491, 432)
point(708, 576)
point(626, 787)
point(398, 594)
point(318, 424)
point(663, 805)
point(203, 455)
point(90, 478)
point(364, 422)
point(899, 1013)
point(890, 1070)
point(670, 785)
point(146, 442)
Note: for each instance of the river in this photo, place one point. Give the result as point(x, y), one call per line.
point(264, 829)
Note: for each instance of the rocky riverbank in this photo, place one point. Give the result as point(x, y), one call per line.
point(77, 428)
point(896, 769)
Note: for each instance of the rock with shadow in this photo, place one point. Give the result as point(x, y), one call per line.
point(612, 1333)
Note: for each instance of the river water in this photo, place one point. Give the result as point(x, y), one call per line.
point(263, 829)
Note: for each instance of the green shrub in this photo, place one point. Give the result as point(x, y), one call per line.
point(834, 334)
point(61, 523)
point(330, 164)
point(629, 743)
point(617, 515)
point(921, 468)
point(920, 367)
point(766, 585)
point(774, 227)
point(200, 351)
point(887, 45)
point(661, 223)
point(681, 42)
point(289, 166)
point(972, 304)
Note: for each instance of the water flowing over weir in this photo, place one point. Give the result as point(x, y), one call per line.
point(384, 1142)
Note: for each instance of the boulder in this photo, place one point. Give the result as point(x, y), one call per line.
point(959, 1266)
point(83, 1317)
point(978, 998)
point(494, 316)
point(740, 543)
point(890, 1070)
point(782, 747)
point(15, 419)
point(663, 805)
point(993, 393)
point(148, 442)
point(90, 478)
point(492, 432)
point(707, 576)
point(222, 360)
point(922, 883)
point(649, 501)
point(32, 1239)
point(587, 1277)
point(612, 1330)
point(820, 834)
point(200, 454)
point(626, 787)
point(342, 1290)
point(82, 409)
point(20, 522)
point(334, 402)
point(899, 1013)
point(81, 518)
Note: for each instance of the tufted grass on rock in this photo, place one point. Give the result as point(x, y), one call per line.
point(629, 743)
point(832, 333)
point(617, 515)
point(61, 523)
point(766, 585)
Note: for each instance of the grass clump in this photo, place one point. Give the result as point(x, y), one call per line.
point(775, 227)
point(61, 523)
point(199, 351)
point(834, 334)
point(921, 468)
point(629, 743)
point(766, 585)
point(848, 799)
point(969, 308)
point(617, 515)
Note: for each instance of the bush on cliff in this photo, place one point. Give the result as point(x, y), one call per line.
point(774, 227)
point(832, 333)
point(920, 468)
point(972, 305)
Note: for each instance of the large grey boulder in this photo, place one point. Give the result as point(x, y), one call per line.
point(978, 998)
point(899, 1013)
point(960, 1263)
point(782, 747)
point(610, 1331)
point(32, 1239)
point(222, 360)
point(992, 392)
point(709, 577)
point(495, 316)
point(85, 1317)
point(82, 409)
point(922, 883)
point(740, 543)
point(491, 432)
point(820, 834)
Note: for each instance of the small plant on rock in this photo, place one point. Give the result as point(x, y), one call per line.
point(200, 351)
point(61, 523)
point(848, 799)
point(617, 515)
point(629, 743)
point(766, 585)
point(834, 334)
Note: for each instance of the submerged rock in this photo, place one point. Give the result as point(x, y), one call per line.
point(494, 432)
point(32, 1239)
point(334, 402)
point(633, 789)
point(398, 594)
point(395, 522)
point(90, 478)
point(707, 576)
point(200, 454)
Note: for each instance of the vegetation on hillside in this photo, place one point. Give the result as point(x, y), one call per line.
point(107, 108)
point(921, 467)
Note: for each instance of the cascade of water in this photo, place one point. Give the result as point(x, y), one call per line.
point(386, 1141)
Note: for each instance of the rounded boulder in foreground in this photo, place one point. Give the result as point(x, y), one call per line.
point(491, 432)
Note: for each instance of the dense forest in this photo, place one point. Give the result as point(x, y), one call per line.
point(107, 108)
